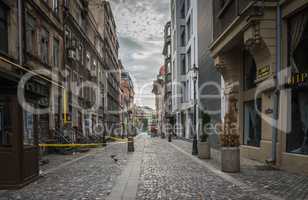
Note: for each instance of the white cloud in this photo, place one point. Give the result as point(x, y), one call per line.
point(140, 25)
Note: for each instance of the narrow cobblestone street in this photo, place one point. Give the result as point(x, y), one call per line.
point(89, 176)
point(156, 170)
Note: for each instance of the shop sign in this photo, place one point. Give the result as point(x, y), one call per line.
point(263, 72)
point(298, 80)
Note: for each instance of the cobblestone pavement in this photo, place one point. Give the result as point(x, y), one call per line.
point(276, 182)
point(157, 170)
point(86, 176)
point(167, 173)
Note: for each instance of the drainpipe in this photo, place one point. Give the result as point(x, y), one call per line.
point(277, 81)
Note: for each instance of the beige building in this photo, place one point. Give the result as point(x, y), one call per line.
point(259, 49)
point(159, 92)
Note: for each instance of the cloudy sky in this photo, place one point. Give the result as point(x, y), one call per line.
point(140, 25)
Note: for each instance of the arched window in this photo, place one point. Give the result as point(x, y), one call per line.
point(250, 70)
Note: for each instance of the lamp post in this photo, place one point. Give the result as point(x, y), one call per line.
point(195, 71)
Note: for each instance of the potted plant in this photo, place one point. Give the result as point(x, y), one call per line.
point(203, 144)
point(229, 139)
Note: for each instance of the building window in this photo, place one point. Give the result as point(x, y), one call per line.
point(250, 71)
point(187, 90)
point(252, 123)
point(44, 43)
point(81, 53)
point(183, 92)
point(3, 28)
point(4, 124)
point(183, 36)
point(56, 53)
point(297, 140)
point(189, 58)
point(183, 12)
point(67, 38)
point(187, 5)
point(28, 128)
point(30, 34)
point(188, 25)
point(183, 64)
point(55, 7)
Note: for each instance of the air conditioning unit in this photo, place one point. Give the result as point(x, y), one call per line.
point(72, 54)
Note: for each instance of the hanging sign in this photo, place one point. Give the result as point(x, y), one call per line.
point(298, 80)
point(263, 72)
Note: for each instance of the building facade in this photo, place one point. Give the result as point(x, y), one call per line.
point(83, 61)
point(191, 35)
point(92, 69)
point(269, 81)
point(127, 102)
point(168, 116)
point(31, 43)
point(184, 56)
point(160, 105)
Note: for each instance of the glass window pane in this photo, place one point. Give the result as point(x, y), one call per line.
point(297, 140)
point(28, 128)
point(3, 29)
point(250, 71)
point(4, 125)
point(252, 123)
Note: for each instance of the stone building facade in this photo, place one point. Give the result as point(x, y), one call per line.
point(159, 86)
point(269, 79)
point(107, 28)
point(168, 116)
point(59, 72)
point(31, 59)
point(127, 102)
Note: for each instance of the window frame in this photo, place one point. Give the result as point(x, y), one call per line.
point(183, 64)
point(56, 41)
point(46, 45)
point(33, 30)
point(255, 102)
point(5, 48)
point(56, 7)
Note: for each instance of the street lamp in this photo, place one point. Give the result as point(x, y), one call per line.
point(195, 71)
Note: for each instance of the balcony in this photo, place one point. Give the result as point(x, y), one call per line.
point(226, 13)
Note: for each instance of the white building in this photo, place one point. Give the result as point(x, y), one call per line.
point(191, 35)
point(184, 56)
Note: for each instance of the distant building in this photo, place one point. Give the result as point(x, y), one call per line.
point(127, 102)
point(159, 91)
point(169, 117)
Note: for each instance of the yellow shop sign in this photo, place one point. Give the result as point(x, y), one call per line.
point(263, 72)
point(297, 79)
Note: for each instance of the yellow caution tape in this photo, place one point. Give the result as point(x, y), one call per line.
point(82, 145)
point(118, 139)
point(70, 145)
